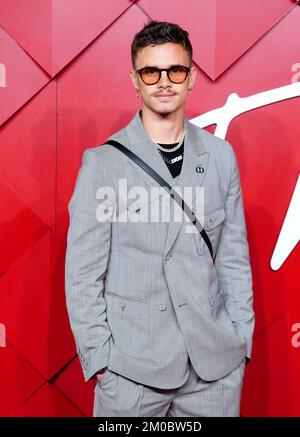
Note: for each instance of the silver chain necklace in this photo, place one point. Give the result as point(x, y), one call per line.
point(165, 149)
point(172, 161)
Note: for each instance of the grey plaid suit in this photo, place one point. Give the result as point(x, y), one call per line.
point(146, 298)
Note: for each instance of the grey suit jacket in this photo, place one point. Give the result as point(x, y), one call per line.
point(143, 297)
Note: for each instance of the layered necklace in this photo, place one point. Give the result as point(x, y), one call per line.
point(165, 149)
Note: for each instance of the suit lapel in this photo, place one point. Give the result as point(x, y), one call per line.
point(195, 155)
point(140, 143)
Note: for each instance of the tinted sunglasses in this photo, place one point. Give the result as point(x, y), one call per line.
point(152, 75)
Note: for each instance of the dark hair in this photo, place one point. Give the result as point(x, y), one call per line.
point(159, 32)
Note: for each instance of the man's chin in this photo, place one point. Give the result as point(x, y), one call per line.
point(165, 109)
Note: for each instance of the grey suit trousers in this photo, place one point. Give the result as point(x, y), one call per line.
point(117, 396)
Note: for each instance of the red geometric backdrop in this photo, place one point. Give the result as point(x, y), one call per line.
point(65, 86)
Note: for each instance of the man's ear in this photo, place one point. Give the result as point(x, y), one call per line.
point(134, 79)
point(192, 77)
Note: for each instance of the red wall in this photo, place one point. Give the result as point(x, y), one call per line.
point(65, 86)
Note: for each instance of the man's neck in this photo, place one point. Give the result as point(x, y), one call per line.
point(163, 129)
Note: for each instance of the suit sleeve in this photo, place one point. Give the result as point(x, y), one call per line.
point(232, 260)
point(87, 254)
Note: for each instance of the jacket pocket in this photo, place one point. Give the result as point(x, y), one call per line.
point(212, 223)
point(122, 296)
point(129, 322)
point(135, 206)
point(214, 219)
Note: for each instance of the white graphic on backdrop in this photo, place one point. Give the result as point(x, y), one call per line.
point(290, 232)
point(235, 105)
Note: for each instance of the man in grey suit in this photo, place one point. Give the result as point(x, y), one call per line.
point(164, 327)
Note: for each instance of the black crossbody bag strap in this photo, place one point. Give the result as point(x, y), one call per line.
point(167, 187)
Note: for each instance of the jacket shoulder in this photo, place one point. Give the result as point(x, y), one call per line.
point(106, 154)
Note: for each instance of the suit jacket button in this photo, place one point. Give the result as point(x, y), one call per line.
point(162, 307)
point(199, 250)
point(212, 301)
point(122, 304)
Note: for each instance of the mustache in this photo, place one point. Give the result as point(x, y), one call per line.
point(164, 92)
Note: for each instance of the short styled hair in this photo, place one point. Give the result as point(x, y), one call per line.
point(160, 32)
